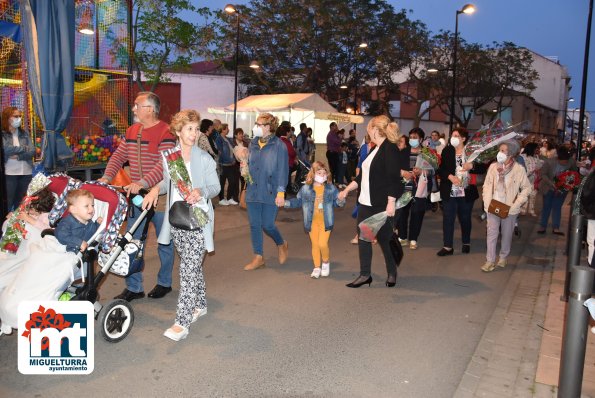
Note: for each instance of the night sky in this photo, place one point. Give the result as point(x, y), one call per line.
point(550, 28)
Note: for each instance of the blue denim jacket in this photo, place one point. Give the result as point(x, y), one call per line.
point(306, 197)
point(225, 148)
point(25, 151)
point(71, 232)
point(269, 169)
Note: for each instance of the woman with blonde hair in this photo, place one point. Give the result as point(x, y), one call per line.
point(269, 167)
point(191, 245)
point(380, 187)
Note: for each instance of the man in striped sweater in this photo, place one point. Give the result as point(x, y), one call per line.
point(145, 139)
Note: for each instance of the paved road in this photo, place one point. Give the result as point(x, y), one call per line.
point(275, 332)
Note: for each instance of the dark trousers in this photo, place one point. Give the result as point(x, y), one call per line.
point(454, 207)
point(341, 169)
point(231, 174)
point(383, 237)
point(410, 219)
point(16, 188)
point(333, 162)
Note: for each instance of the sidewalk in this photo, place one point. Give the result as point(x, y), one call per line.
point(519, 352)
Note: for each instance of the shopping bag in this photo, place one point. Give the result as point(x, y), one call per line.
point(422, 186)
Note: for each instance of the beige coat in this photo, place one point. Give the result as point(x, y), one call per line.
point(518, 187)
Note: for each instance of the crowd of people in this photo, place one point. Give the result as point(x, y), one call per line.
point(385, 168)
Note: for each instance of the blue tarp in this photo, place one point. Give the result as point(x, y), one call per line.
point(48, 35)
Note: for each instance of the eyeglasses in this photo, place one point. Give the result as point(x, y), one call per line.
point(136, 106)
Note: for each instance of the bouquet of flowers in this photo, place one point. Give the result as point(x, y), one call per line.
point(371, 225)
point(567, 181)
point(428, 159)
point(181, 179)
point(16, 231)
point(483, 145)
point(241, 153)
point(404, 200)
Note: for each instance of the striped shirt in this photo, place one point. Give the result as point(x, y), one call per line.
point(153, 140)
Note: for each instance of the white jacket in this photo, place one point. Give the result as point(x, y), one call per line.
point(518, 187)
point(204, 177)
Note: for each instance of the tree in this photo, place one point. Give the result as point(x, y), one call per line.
point(164, 39)
point(486, 75)
point(309, 45)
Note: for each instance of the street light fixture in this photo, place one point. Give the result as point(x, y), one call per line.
point(231, 9)
point(362, 46)
point(467, 9)
point(254, 65)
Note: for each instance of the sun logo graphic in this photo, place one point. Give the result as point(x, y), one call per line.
point(56, 337)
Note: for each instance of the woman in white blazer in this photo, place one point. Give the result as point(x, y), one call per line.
point(191, 245)
point(506, 181)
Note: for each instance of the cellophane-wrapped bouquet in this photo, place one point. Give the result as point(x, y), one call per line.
point(16, 231)
point(483, 146)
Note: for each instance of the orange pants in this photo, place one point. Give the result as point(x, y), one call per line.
point(319, 238)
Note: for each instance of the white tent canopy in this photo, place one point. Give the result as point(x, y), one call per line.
point(309, 108)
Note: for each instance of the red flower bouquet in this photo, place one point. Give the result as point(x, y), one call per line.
point(567, 181)
point(181, 179)
point(428, 159)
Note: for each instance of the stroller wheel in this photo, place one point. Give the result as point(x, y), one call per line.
point(116, 320)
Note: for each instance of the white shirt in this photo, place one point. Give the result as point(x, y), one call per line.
point(15, 167)
point(175, 195)
point(364, 195)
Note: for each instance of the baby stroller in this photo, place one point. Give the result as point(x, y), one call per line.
point(116, 317)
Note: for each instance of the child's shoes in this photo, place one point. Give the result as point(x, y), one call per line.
point(315, 273)
point(326, 269)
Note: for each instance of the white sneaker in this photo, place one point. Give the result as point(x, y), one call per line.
point(232, 202)
point(315, 273)
point(224, 202)
point(326, 269)
point(198, 313)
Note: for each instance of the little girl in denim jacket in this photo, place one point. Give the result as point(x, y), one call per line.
point(317, 198)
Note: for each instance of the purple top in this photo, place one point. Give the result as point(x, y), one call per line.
point(333, 142)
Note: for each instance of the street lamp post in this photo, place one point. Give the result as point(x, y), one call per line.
point(357, 109)
point(467, 9)
point(231, 9)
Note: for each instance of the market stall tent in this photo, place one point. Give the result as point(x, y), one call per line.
point(309, 108)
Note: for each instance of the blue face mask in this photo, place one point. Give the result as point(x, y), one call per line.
point(414, 142)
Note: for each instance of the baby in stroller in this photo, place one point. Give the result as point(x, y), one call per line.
point(52, 263)
point(78, 227)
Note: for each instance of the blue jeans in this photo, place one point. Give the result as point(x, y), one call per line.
point(16, 188)
point(262, 218)
point(134, 282)
point(454, 207)
point(552, 203)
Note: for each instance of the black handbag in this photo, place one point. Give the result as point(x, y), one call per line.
point(182, 216)
point(396, 249)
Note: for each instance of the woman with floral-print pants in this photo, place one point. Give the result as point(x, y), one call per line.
point(191, 245)
point(191, 248)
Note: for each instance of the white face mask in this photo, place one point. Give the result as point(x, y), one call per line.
point(501, 157)
point(455, 141)
point(320, 179)
point(257, 131)
point(414, 142)
point(15, 123)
